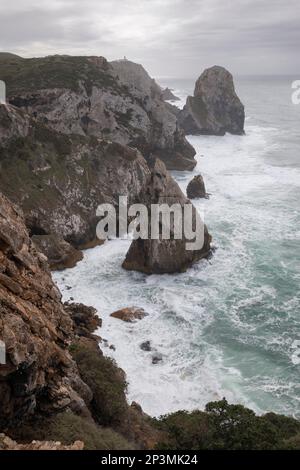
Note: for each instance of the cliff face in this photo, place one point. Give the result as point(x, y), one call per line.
point(90, 97)
point(164, 138)
point(39, 373)
point(59, 180)
point(215, 107)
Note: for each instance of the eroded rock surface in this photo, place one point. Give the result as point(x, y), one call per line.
point(215, 107)
point(59, 180)
point(196, 188)
point(166, 255)
point(60, 254)
point(39, 373)
point(129, 314)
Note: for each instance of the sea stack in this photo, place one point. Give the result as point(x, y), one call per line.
point(160, 256)
point(215, 107)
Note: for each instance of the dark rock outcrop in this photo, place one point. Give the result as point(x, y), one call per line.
point(166, 255)
point(215, 107)
point(196, 188)
point(39, 373)
point(88, 96)
point(60, 254)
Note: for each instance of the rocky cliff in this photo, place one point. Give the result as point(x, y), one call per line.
point(55, 383)
point(161, 255)
point(90, 97)
point(39, 373)
point(215, 107)
point(60, 179)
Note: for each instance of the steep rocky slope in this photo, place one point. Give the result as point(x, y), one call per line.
point(39, 373)
point(166, 255)
point(90, 97)
point(59, 180)
point(215, 107)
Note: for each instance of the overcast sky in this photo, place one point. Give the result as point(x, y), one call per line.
point(176, 38)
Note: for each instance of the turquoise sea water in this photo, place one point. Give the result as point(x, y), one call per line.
point(229, 326)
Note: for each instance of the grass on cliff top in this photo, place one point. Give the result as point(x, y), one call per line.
point(29, 75)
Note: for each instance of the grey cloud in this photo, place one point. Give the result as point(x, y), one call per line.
point(170, 37)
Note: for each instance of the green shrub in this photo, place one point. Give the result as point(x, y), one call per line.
point(67, 427)
point(107, 382)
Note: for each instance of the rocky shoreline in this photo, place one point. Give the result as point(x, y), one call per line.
point(78, 132)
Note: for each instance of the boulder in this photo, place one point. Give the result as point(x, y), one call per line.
point(158, 256)
point(168, 95)
point(129, 314)
point(60, 254)
point(215, 107)
point(39, 374)
point(196, 188)
point(88, 96)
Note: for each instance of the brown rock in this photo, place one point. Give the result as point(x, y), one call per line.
point(196, 188)
point(85, 319)
point(130, 314)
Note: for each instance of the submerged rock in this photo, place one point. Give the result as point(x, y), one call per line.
point(129, 314)
point(146, 346)
point(196, 188)
point(59, 180)
point(215, 107)
point(60, 254)
point(166, 255)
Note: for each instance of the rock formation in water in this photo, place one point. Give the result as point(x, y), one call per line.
point(39, 373)
point(168, 95)
point(59, 180)
point(90, 97)
point(196, 188)
point(215, 107)
point(165, 255)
